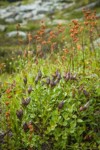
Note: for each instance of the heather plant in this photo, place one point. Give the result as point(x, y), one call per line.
point(53, 102)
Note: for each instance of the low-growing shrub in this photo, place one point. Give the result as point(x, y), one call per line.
point(48, 112)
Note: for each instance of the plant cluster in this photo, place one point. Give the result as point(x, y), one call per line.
point(50, 112)
point(53, 103)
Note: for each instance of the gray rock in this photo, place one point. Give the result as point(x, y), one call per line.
point(56, 6)
point(3, 28)
point(38, 2)
point(59, 21)
point(34, 12)
point(47, 4)
point(97, 42)
point(10, 20)
point(19, 17)
point(2, 11)
point(14, 34)
point(24, 24)
point(27, 8)
point(28, 16)
point(43, 11)
point(66, 6)
point(51, 11)
point(98, 15)
point(12, 8)
point(6, 15)
point(38, 17)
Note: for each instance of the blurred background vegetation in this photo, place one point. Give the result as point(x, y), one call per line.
point(9, 46)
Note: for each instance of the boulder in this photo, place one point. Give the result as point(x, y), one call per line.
point(14, 34)
point(38, 17)
point(3, 28)
point(34, 11)
point(10, 20)
point(7, 15)
point(27, 8)
point(19, 17)
point(43, 11)
point(27, 15)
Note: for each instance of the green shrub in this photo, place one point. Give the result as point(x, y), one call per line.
point(57, 113)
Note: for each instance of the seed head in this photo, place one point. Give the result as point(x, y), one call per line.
point(19, 114)
point(61, 104)
point(29, 90)
point(25, 80)
point(25, 127)
point(26, 101)
point(39, 74)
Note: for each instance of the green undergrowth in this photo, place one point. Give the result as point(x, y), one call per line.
point(48, 106)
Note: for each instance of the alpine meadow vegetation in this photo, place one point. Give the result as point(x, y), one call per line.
point(52, 99)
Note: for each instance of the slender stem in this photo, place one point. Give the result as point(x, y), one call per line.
point(83, 54)
point(83, 62)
